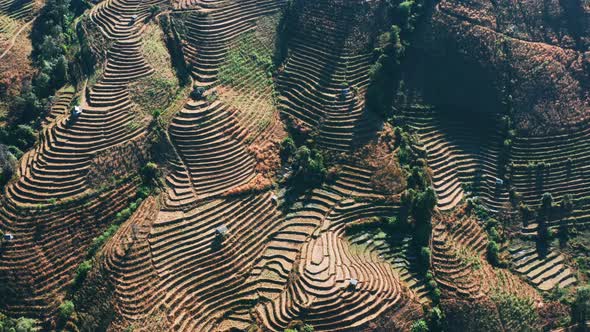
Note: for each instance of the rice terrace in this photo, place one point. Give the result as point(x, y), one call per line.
point(294, 165)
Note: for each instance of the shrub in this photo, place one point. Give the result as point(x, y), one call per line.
point(143, 192)
point(493, 234)
point(156, 114)
point(17, 325)
point(436, 319)
point(25, 325)
point(66, 310)
point(97, 242)
point(307, 328)
point(553, 315)
point(395, 225)
point(82, 272)
point(419, 326)
point(435, 295)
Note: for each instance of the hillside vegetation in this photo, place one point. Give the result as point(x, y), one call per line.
point(294, 165)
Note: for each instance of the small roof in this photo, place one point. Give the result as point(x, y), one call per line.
point(8, 236)
point(77, 110)
point(499, 181)
point(222, 230)
point(274, 198)
point(353, 282)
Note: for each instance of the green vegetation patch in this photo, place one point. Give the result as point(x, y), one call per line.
point(248, 65)
point(21, 324)
point(160, 89)
point(246, 79)
point(516, 313)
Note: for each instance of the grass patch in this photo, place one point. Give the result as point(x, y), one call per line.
point(246, 80)
point(159, 90)
point(248, 59)
point(469, 258)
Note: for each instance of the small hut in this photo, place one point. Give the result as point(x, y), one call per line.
point(77, 111)
point(133, 19)
point(274, 199)
point(221, 231)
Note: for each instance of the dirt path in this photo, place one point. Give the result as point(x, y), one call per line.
point(13, 40)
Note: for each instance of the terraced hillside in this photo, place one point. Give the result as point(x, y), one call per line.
point(221, 129)
point(546, 272)
point(14, 14)
point(462, 155)
point(52, 179)
point(461, 269)
point(324, 77)
point(218, 165)
point(554, 164)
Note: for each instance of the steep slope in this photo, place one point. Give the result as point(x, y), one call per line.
point(53, 178)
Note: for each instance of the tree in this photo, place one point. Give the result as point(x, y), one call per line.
point(422, 208)
point(436, 319)
point(287, 148)
point(425, 255)
point(385, 74)
point(25, 136)
point(543, 216)
point(493, 253)
point(546, 203)
point(581, 305)
point(82, 272)
point(154, 9)
point(60, 72)
point(24, 107)
point(150, 173)
point(8, 165)
point(567, 203)
point(309, 166)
